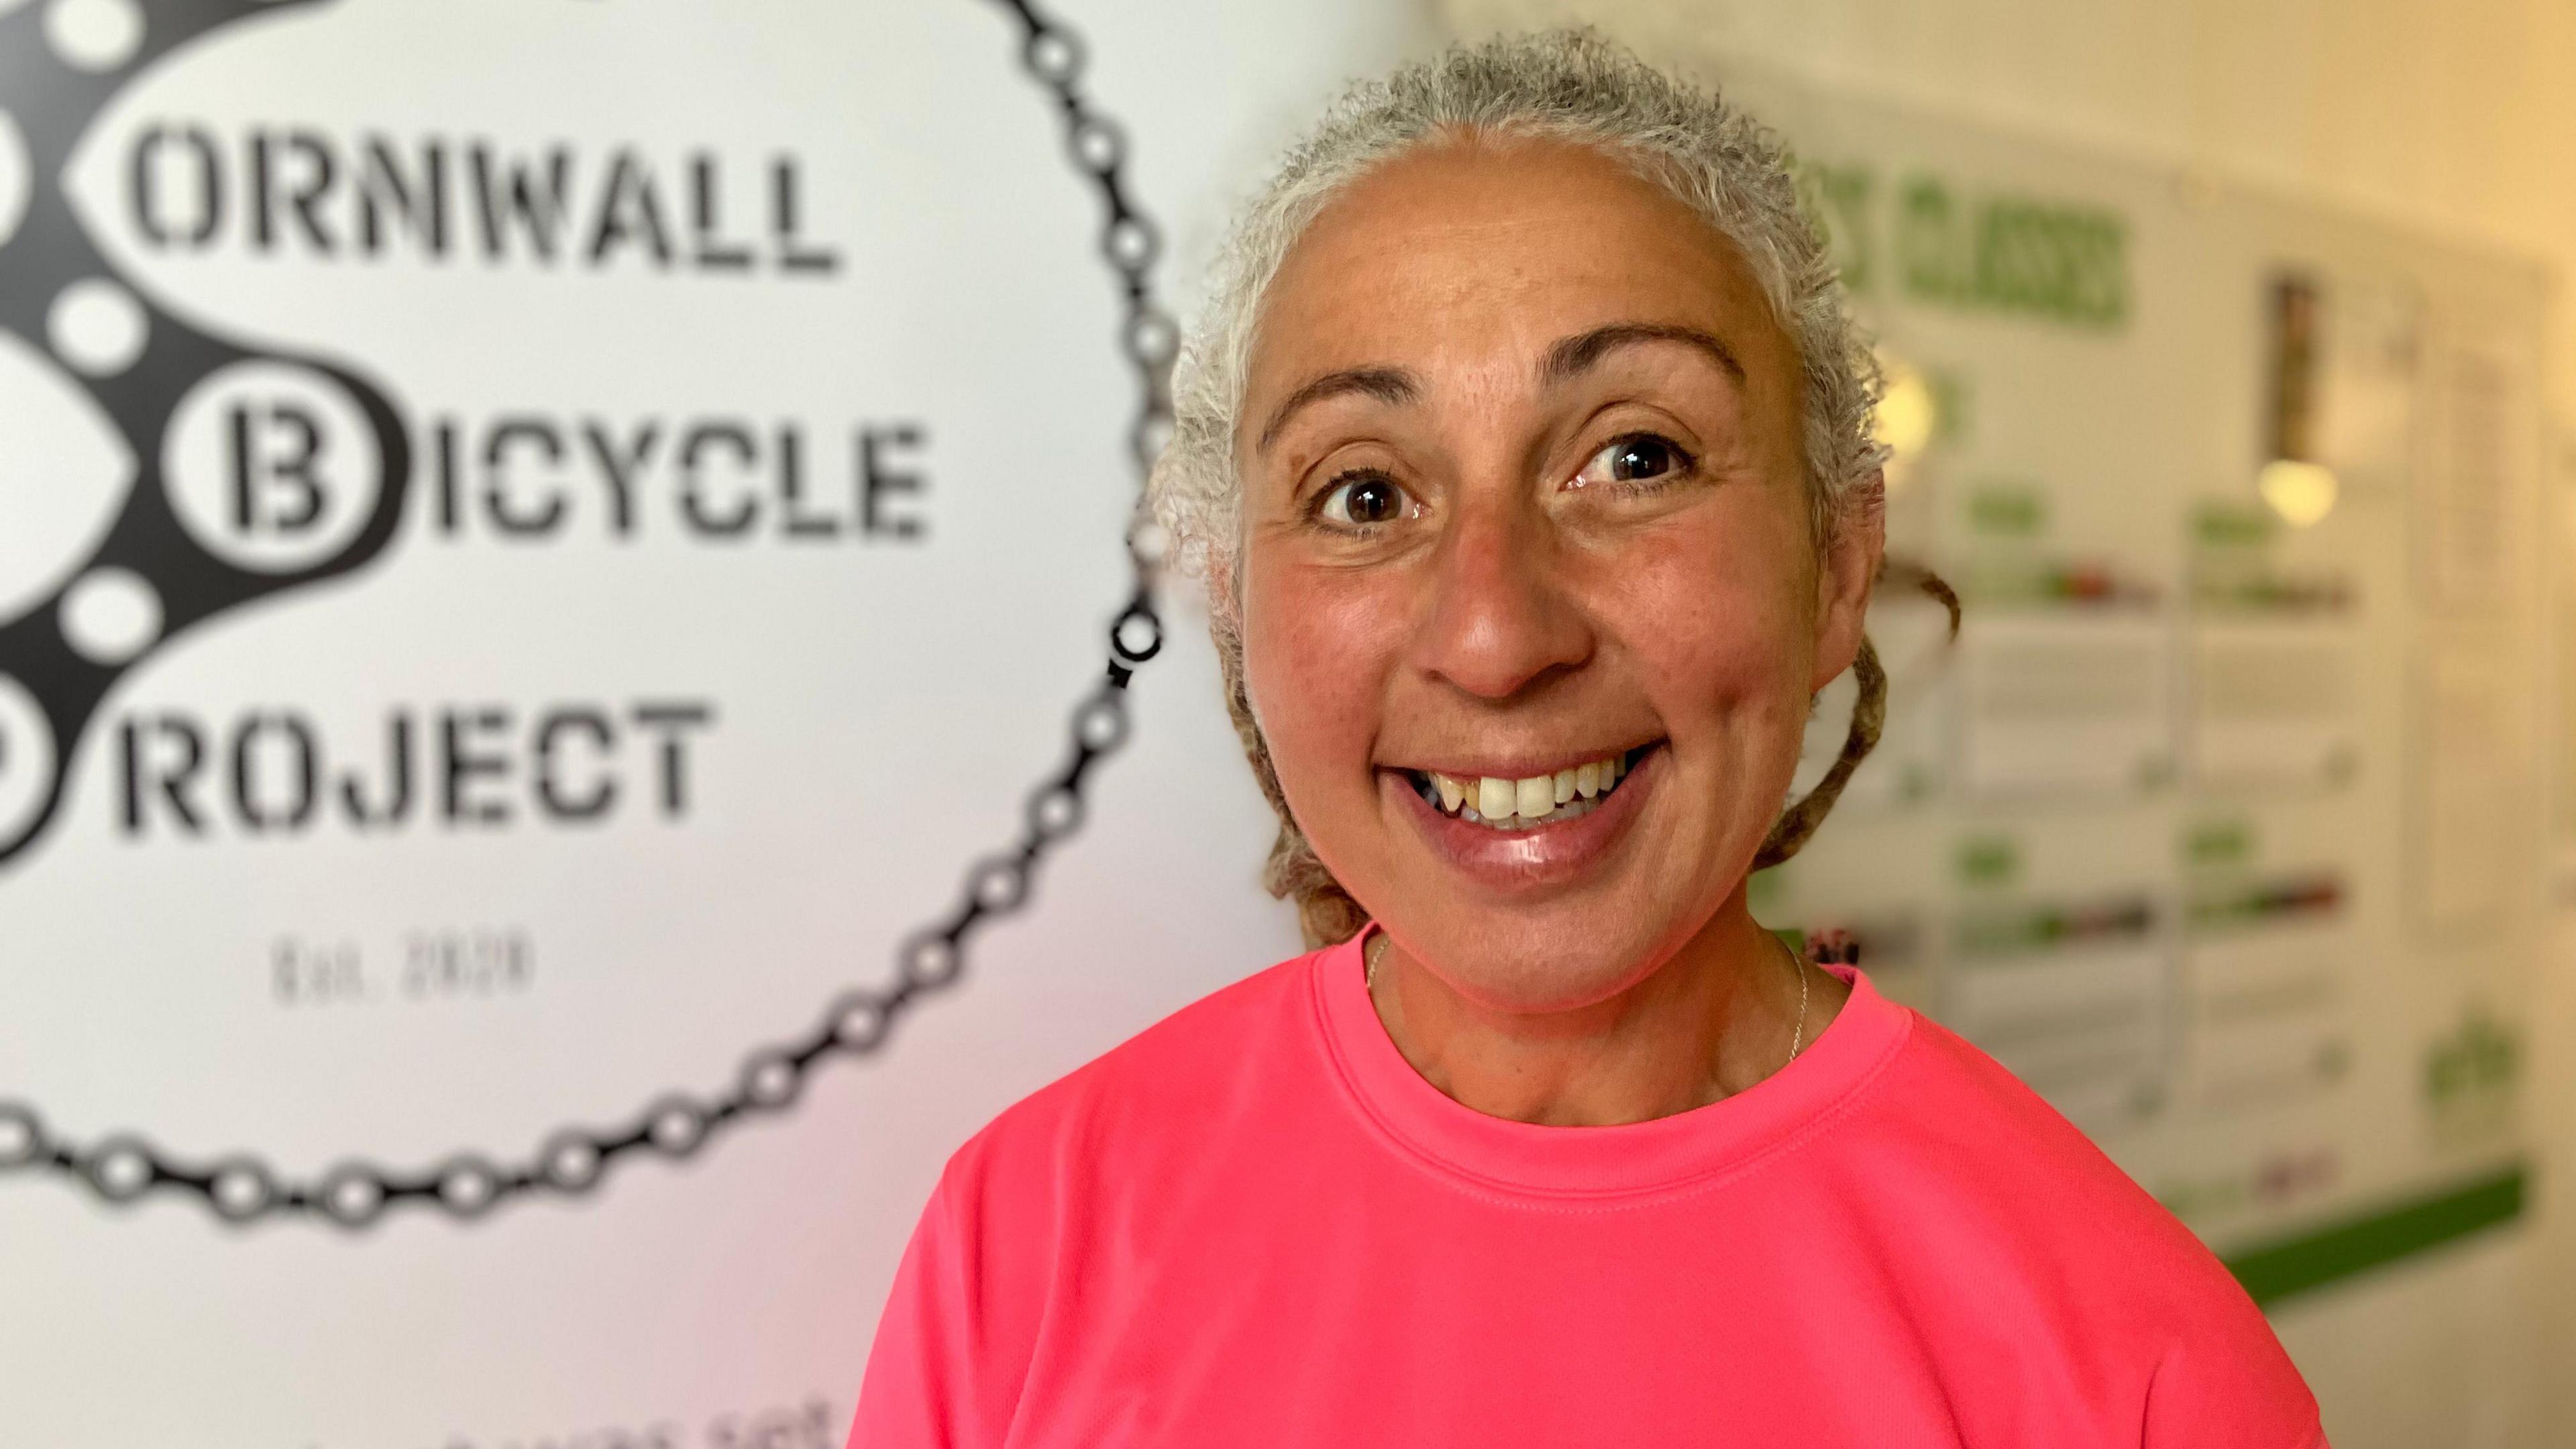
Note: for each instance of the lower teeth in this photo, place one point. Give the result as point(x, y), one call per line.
point(1567, 811)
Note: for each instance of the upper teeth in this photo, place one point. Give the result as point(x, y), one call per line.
point(1491, 797)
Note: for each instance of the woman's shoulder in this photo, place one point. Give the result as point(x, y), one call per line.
point(1999, 1190)
point(1993, 1139)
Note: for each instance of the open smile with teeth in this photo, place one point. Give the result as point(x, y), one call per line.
point(1501, 804)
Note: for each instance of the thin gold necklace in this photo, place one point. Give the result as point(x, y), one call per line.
point(1797, 963)
point(1376, 948)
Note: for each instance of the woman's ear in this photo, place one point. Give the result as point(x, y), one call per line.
point(1849, 566)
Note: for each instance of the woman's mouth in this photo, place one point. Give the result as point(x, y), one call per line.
point(1539, 832)
point(1498, 803)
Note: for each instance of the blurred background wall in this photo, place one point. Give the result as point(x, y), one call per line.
point(736, 573)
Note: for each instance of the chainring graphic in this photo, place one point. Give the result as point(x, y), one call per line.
point(157, 577)
point(54, 80)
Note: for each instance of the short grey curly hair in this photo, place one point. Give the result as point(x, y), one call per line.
point(1566, 85)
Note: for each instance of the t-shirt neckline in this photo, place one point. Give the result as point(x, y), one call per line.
point(1684, 1150)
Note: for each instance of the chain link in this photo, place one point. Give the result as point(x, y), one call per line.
point(574, 1161)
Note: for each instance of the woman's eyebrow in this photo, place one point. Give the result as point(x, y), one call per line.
point(1391, 385)
point(1573, 356)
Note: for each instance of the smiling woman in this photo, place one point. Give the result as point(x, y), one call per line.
point(1525, 454)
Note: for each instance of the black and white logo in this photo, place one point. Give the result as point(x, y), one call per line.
point(473, 454)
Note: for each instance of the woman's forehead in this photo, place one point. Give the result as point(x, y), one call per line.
point(1483, 255)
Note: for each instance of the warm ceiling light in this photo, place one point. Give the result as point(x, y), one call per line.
point(2302, 493)
point(1907, 415)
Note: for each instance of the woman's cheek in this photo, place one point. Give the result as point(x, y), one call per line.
point(1316, 649)
point(1718, 640)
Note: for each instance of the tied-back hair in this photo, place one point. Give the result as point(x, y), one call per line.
point(1570, 86)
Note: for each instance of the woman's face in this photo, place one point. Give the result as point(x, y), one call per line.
point(1523, 504)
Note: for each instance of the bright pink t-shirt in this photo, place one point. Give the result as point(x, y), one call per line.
point(1256, 1224)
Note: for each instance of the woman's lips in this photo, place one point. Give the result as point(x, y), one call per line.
point(1549, 853)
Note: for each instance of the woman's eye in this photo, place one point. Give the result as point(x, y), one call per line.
point(1643, 458)
point(1363, 500)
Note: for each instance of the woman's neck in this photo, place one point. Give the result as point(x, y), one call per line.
point(1717, 1017)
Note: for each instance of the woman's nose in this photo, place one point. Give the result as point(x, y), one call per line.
point(1501, 618)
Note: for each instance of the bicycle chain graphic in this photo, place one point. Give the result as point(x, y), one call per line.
point(149, 541)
